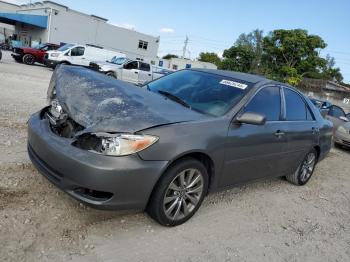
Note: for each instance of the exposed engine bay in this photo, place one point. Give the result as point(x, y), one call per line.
point(60, 123)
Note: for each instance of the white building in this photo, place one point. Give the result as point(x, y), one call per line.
point(48, 21)
point(181, 63)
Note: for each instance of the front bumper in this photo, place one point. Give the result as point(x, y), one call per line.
point(342, 139)
point(50, 63)
point(17, 57)
point(128, 180)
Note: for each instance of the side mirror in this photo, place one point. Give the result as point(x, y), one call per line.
point(251, 118)
point(345, 119)
point(324, 112)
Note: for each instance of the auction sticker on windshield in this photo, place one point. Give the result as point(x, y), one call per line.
point(233, 83)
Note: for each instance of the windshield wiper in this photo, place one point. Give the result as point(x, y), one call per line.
point(174, 98)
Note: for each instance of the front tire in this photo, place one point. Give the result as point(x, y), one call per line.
point(111, 74)
point(28, 59)
point(179, 193)
point(305, 170)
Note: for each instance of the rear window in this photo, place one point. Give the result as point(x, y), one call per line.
point(204, 92)
point(296, 109)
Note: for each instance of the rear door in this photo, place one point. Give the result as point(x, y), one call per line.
point(145, 74)
point(257, 151)
point(302, 128)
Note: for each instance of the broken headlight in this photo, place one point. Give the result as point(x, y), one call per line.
point(114, 144)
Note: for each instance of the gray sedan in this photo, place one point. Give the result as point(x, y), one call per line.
point(163, 147)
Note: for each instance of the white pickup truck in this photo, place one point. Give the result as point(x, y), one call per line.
point(133, 71)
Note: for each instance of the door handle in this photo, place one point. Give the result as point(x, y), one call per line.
point(149, 74)
point(279, 133)
point(136, 72)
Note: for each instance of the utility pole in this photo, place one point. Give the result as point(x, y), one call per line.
point(185, 47)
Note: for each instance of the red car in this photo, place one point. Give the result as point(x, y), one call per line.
point(30, 55)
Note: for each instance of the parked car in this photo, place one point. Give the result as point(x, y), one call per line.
point(341, 125)
point(133, 71)
point(320, 104)
point(76, 54)
point(162, 147)
point(30, 55)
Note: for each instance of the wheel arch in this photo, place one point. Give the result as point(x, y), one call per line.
point(199, 155)
point(318, 150)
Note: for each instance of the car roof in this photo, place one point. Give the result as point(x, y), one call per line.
point(237, 75)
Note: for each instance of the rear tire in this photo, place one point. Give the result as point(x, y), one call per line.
point(305, 170)
point(179, 193)
point(28, 59)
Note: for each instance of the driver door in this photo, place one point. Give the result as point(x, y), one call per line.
point(257, 151)
point(77, 56)
point(131, 72)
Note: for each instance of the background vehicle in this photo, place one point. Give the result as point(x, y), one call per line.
point(0, 54)
point(76, 54)
point(163, 146)
point(132, 71)
point(29, 55)
point(337, 116)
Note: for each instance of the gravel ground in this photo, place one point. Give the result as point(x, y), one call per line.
point(264, 221)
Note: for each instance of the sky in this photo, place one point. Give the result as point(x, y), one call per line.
point(213, 26)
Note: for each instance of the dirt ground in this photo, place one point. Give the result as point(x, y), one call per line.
point(264, 221)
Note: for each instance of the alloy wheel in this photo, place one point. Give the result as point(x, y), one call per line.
point(183, 194)
point(307, 167)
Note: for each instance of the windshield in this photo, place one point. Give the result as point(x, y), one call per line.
point(204, 92)
point(65, 47)
point(118, 60)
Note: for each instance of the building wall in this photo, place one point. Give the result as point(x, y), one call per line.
point(179, 63)
point(7, 7)
point(69, 26)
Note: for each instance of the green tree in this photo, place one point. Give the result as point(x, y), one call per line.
point(254, 42)
point(169, 56)
point(238, 58)
point(291, 54)
point(210, 57)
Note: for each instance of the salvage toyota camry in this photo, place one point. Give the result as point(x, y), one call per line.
point(164, 146)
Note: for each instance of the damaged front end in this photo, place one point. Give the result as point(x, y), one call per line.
point(111, 144)
point(60, 123)
point(105, 116)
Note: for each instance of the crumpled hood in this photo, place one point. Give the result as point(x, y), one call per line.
point(103, 104)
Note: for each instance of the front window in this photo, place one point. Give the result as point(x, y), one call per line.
point(266, 102)
point(77, 51)
point(336, 111)
point(203, 92)
point(132, 65)
point(65, 47)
